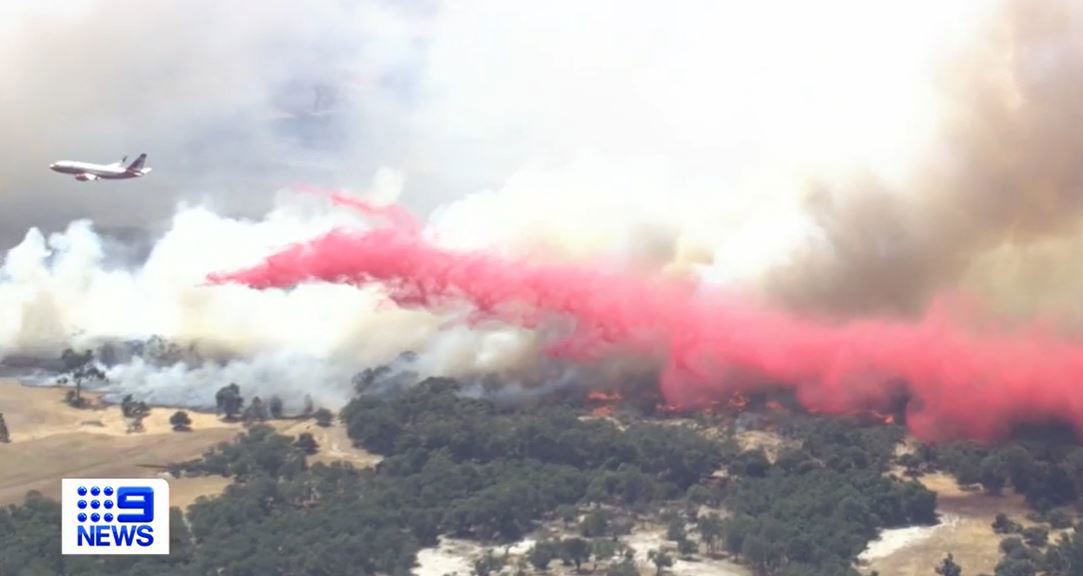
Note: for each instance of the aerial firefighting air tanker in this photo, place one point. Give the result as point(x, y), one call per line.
point(85, 171)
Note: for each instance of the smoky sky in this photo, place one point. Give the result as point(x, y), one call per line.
point(230, 100)
point(701, 112)
point(1006, 172)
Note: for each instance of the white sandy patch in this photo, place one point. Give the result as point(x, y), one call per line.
point(523, 546)
point(893, 540)
point(450, 556)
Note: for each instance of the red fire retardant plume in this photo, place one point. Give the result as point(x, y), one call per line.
point(962, 383)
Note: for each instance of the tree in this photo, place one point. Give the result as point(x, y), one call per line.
point(1051, 486)
point(567, 513)
point(1003, 525)
point(1013, 547)
point(274, 406)
point(994, 473)
point(308, 406)
point(948, 567)
point(595, 524)
point(1020, 466)
point(735, 531)
point(698, 495)
point(324, 417)
point(229, 401)
point(675, 530)
point(575, 550)
point(72, 360)
point(1060, 519)
point(602, 549)
point(256, 412)
point(1016, 567)
point(180, 421)
point(661, 560)
point(757, 552)
point(541, 554)
point(1067, 556)
point(487, 564)
point(800, 549)
point(912, 464)
point(4, 436)
point(306, 443)
point(1036, 535)
point(626, 567)
point(129, 408)
point(752, 463)
point(710, 530)
point(134, 413)
point(82, 370)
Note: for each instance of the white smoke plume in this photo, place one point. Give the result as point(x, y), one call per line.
point(55, 292)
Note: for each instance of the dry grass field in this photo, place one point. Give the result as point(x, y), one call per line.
point(965, 531)
point(51, 440)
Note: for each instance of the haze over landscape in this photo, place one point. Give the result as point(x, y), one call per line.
point(867, 210)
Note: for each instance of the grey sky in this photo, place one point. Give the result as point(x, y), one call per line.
point(231, 100)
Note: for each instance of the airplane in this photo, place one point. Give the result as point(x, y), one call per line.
point(85, 171)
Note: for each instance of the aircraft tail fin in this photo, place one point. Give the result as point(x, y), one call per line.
point(138, 163)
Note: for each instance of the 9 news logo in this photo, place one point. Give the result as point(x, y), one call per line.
point(114, 516)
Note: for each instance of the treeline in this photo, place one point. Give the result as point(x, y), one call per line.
point(1029, 551)
point(459, 466)
point(1048, 470)
point(1045, 465)
point(433, 418)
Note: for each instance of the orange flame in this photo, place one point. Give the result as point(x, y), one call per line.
point(604, 397)
point(885, 418)
point(606, 402)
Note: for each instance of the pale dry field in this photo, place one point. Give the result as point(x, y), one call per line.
point(965, 531)
point(51, 440)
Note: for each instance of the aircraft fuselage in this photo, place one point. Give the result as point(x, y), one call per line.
point(85, 171)
point(99, 170)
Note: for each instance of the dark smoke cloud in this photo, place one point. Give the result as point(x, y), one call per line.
point(1008, 170)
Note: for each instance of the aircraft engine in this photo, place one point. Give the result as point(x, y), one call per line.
point(85, 177)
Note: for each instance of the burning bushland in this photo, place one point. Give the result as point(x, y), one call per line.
point(958, 380)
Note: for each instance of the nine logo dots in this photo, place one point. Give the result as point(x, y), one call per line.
point(95, 504)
